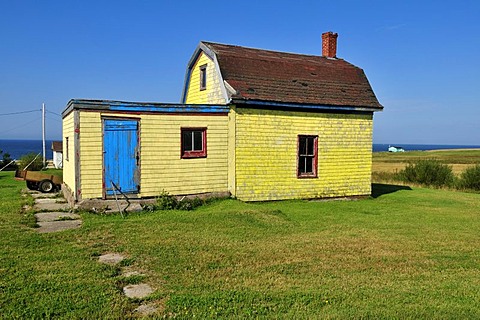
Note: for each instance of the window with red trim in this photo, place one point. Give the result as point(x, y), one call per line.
point(307, 156)
point(194, 142)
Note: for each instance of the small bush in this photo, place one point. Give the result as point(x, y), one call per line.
point(35, 165)
point(6, 161)
point(470, 178)
point(190, 203)
point(167, 201)
point(429, 172)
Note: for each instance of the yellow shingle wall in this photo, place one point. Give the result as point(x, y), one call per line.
point(161, 165)
point(266, 154)
point(91, 155)
point(213, 92)
point(68, 165)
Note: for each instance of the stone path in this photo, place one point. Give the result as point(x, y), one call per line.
point(52, 213)
point(138, 291)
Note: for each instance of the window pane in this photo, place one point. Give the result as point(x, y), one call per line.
point(309, 164)
point(197, 141)
point(302, 147)
point(301, 165)
point(187, 140)
point(310, 146)
point(203, 77)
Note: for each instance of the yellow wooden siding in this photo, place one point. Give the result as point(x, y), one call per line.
point(213, 92)
point(161, 168)
point(68, 131)
point(231, 150)
point(266, 154)
point(91, 155)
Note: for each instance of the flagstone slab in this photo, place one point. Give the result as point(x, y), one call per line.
point(56, 226)
point(45, 200)
point(49, 206)
point(38, 195)
point(146, 309)
point(111, 258)
point(55, 216)
point(137, 291)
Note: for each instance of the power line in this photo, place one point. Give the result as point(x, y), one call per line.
point(19, 126)
point(20, 112)
point(57, 114)
point(54, 119)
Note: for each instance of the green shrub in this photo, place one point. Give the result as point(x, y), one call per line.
point(35, 165)
point(190, 203)
point(6, 162)
point(470, 178)
point(429, 172)
point(166, 201)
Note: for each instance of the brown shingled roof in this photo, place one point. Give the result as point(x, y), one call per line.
point(57, 146)
point(264, 75)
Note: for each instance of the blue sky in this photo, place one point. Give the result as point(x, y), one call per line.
point(421, 57)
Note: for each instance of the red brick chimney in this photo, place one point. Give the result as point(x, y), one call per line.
point(329, 44)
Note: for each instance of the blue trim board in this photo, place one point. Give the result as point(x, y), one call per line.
point(184, 108)
point(138, 107)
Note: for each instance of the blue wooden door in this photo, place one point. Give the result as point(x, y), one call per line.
point(121, 157)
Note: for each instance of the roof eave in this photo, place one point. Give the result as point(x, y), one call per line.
point(142, 107)
point(322, 107)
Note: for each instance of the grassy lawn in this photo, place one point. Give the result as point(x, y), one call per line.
point(458, 159)
point(404, 253)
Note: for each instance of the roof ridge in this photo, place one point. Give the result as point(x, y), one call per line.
point(270, 50)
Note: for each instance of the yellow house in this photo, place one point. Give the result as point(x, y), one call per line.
point(256, 124)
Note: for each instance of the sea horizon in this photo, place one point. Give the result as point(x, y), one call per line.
point(19, 147)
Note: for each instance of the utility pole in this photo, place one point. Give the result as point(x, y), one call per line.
point(43, 136)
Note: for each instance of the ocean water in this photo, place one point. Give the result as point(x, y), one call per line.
point(17, 148)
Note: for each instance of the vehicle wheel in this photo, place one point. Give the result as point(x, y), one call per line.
point(46, 186)
point(32, 185)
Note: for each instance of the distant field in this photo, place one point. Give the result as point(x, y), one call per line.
point(393, 162)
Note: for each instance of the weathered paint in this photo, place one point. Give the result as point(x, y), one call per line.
point(162, 166)
point(91, 155)
point(266, 154)
point(121, 156)
point(232, 131)
point(68, 151)
point(213, 93)
point(160, 154)
point(251, 152)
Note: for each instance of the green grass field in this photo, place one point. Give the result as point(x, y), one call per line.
point(401, 254)
point(459, 160)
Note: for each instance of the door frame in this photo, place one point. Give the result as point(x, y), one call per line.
point(139, 154)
